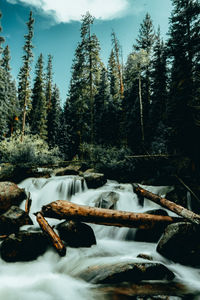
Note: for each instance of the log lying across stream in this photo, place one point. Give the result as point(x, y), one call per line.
point(178, 209)
point(67, 210)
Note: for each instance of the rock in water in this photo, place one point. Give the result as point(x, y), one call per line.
point(76, 234)
point(94, 180)
point(23, 246)
point(13, 219)
point(150, 236)
point(126, 272)
point(10, 194)
point(107, 200)
point(181, 243)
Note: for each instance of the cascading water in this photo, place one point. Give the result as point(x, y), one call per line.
point(53, 278)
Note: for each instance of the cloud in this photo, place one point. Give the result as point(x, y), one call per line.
point(72, 10)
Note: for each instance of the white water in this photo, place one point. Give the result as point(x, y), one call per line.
point(53, 278)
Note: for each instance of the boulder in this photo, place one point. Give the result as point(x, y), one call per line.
point(76, 234)
point(151, 236)
point(126, 272)
point(69, 170)
point(181, 243)
point(94, 180)
point(10, 194)
point(13, 219)
point(23, 246)
point(107, 200)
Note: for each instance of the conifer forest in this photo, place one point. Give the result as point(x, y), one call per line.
point(146, 106)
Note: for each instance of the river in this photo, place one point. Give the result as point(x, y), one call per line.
point(53, 278)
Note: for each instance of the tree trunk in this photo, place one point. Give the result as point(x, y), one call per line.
point(54, 238)
point(28, 204)
point(141, 108)
point(178, 209)
point(66, 210)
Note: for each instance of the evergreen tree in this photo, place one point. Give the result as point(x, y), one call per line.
point(157, 112)
point(49, 81)
point(54, 118)
point(13, 109)
point(38, 118)
point(145, 41)
point(84, 84)
point(113, 77)
point(24, 89)
point(183, 46)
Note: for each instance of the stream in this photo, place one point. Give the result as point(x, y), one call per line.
point(53, 278)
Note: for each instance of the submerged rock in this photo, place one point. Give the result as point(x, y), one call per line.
point(107, 200)
point(76, 234)
point(10, 194)
point(94, 180)
point(13, 219)
point(23, 246)
point(145, 256)
point(126, 272)
point(151, 235)
point(181, 243)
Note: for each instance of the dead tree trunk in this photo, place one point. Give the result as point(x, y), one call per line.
point(178, 209)
point(54, 238)
point(28, 204)
point(70, 211)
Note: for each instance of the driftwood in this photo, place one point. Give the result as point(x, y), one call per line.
point(178, 209)
point(54, 238)
point(28, 204)
point(66, 210)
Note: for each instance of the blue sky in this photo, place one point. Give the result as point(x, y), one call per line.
point(57, 25)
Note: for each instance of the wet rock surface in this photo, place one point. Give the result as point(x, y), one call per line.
point(180, 242)
point(13, 219)
point(69, 170)
point(94, 180)
point(10, 194)
point(23, 246)
point(107, 200)
point(126, 272)
point(76, 234)
point(150, 236)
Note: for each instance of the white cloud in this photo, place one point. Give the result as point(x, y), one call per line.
point(72, 10)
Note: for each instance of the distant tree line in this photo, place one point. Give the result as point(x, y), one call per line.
point(150, 104)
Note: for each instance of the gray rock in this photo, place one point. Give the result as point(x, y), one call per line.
point(10, 194)
point(181, 243)
point(76, 234)
point(13, 219)
point(94, 180)
point(107, 200)
point(126, 272)
point(23, 246)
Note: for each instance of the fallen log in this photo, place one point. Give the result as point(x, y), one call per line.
point(178, 209)
point(54, 238)
point(67, 210)
point(28, 204)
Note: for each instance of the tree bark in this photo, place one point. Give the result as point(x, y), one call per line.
point(66, 210)
point(54, 238)
point(178, 209)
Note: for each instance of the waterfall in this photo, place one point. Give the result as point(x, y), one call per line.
point(53, 278)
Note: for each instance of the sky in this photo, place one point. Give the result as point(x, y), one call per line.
point(57, 28)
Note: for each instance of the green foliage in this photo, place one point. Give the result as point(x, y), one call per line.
point(32, 150)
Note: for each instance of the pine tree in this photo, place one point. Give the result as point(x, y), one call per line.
point(145, 41)
point(183, 46)
point(24, 89)
point(113, 77)
point(157, 112)
point(54, 118)
point(84, 84)
point(49, 81)
point(13, 109)
point(38, 117)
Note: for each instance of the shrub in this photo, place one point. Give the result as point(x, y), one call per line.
point(32, 150)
